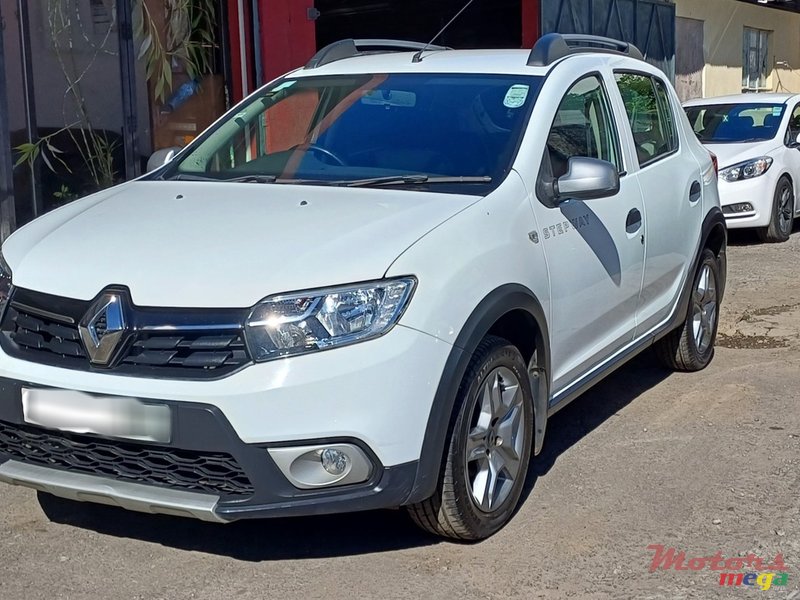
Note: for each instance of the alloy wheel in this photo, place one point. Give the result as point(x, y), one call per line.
point(704, 310)
point(495, 440)
point(785, 209)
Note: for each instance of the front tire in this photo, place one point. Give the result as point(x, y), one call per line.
point(691, 347)
point(488, 450)
point(782, 219)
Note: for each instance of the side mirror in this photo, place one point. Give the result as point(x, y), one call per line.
point(587, 179)
point(161, 157)
point(795, 143)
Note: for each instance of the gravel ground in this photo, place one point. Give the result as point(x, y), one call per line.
point(704, 463)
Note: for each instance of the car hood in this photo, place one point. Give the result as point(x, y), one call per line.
point(207, 244)
point(731, 154)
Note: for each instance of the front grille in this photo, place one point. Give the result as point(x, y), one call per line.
point(46, 334)
point(208, 472)
point(189, 351)
point(191, 344)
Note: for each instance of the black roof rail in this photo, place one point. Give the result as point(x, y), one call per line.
point(350, 48)
point(555, 46)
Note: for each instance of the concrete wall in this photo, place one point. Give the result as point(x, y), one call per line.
point(723, 30)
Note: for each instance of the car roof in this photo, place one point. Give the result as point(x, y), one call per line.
point(506, 62)
point(743, 99)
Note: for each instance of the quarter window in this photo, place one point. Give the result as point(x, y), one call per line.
point(650, 114)
point(583, 126)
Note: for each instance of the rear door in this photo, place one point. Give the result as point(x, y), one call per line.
point(671, 185)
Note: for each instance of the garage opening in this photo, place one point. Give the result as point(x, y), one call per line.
point(492, 24)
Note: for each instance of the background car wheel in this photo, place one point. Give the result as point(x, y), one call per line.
point(488, 451)
point(782, 221)
point(691, 347)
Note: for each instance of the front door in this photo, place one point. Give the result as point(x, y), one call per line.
point(594, 248)
point(792, 152)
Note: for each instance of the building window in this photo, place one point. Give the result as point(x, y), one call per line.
point(755, 64)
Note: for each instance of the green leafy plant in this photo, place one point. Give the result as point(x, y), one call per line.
point(65, 194)
point(189, 41)
point(65, 27)
point(30, 151)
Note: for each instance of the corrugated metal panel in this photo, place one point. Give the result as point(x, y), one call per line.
point(650, 24)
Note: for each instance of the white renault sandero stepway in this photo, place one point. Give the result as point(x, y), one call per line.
point(368, 285)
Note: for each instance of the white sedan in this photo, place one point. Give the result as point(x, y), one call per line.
point(756, 138)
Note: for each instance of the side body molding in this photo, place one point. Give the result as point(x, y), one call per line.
point(500, 302)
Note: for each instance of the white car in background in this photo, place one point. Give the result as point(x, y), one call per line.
point(756, 138)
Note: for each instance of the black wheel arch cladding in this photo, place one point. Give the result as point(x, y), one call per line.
point(503, 301)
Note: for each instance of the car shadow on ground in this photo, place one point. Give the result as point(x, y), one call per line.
point(743, 237)
point(587, 412)
point(749, 237)
point(348, 534)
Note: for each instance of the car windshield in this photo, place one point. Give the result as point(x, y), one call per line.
point(460, 132)
point(735, 123)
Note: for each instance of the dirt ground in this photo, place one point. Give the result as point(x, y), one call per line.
point(703, 463)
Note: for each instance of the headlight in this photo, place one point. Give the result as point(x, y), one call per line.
point(315, 320)
point(5, 283)
point(746, 170)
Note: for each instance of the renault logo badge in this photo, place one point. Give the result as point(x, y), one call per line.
point(103, 329)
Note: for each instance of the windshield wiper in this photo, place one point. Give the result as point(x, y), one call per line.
point(252, 179)
point(414, 180)
point(241, 179)
point(191, 177)
point(744, 141)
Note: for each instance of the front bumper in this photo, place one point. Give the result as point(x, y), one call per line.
point(759, 192)
point(376, 395)
point(97, 469)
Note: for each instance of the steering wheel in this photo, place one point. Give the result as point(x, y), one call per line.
point(325, 152)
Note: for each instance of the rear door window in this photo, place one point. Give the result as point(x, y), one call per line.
point(650, 115)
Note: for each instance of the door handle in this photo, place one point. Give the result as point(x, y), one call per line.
point(634, 221)
point(696, 192)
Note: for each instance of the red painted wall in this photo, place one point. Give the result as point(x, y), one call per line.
point(288, 37)
point(235, 34)
point(531, 29)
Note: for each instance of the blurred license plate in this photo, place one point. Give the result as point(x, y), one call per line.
point(113, 416)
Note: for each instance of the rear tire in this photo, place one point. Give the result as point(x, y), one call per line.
point(488, 451)
point(782, 218)
point(691, 347)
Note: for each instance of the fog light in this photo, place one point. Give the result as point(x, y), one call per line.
point(733, 209)
point(334, 461)
point(323, 465)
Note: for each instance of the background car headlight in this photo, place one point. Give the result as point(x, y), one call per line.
point(5, 283)
point(746, 170)
point(304, 322)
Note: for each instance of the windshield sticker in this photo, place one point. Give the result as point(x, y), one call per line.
point(516, 96)
point(776, 111)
